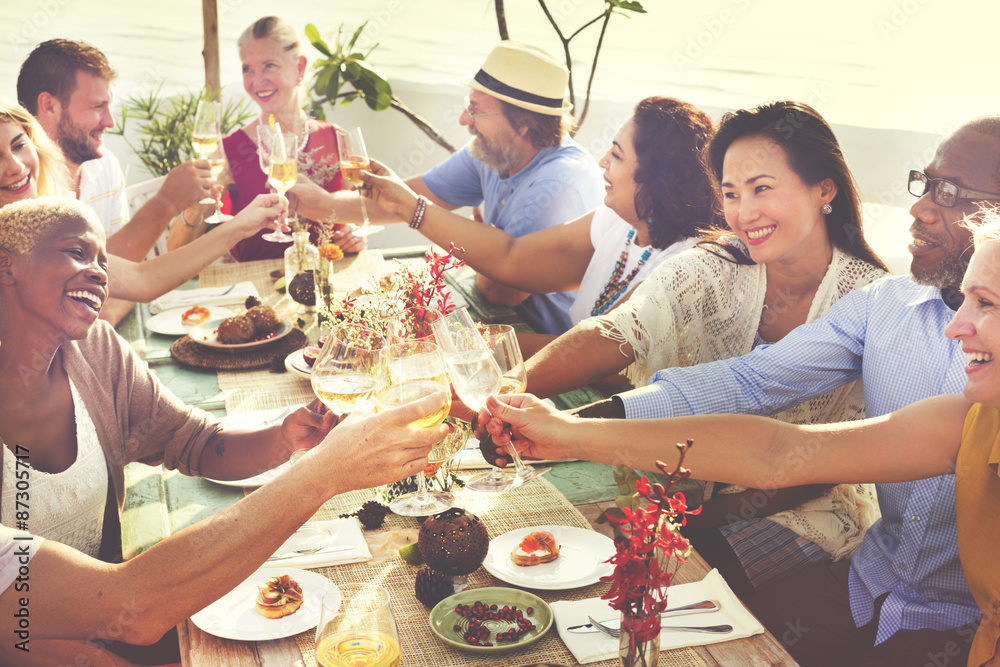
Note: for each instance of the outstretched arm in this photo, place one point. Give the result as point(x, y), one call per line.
point(187, 571)
point(578, 357)
point(145, 281)
point(918, 441)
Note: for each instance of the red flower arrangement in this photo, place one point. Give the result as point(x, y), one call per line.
point(649, 544)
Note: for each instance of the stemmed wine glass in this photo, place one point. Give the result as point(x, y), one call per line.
point(473, 371)
point(502, 339)
point(343, 376)
point(354, 158)
point(206, 136)
point(415, 323)
point(409, 371)
point(278, 152)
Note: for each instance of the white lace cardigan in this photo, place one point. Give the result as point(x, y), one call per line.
point(698, 307)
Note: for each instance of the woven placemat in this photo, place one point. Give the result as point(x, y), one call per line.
point(535, 504)
point(187, 351)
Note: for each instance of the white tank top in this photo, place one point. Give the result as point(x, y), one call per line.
point(67, 506)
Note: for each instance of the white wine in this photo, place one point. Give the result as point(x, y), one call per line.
point(408, 392)
point(511, 386)
point(216, 165)
point(282, 174)
point(359, 650)
point(205, 144)
point(476, 376)
point(343, 393)
point(349, 171)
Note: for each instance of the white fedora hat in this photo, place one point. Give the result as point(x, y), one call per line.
point(525, 76)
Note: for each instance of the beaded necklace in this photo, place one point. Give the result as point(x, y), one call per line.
point(615, 286)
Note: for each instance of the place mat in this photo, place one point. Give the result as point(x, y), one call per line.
point(535, 504)
point(187, 351)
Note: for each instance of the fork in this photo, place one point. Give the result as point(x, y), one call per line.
point(307, 552)
point(615, 634)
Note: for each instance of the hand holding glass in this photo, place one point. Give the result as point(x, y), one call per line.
point(278, 154)
point(354, 158)
point(206, 137)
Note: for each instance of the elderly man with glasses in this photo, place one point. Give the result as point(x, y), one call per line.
point(902, 598)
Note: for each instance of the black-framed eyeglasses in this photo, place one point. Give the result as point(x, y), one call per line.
point(944, 192)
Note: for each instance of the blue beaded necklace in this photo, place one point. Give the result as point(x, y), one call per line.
point(615, 287)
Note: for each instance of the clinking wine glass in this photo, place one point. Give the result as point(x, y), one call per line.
point(409, 371)
point(206, 137)
point(344, 374)
point(354, 158)
point(278, 152)
point(415, 323)
point(502, 340)
point(474, 373)
point(357, 629)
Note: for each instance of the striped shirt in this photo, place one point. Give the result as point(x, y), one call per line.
point(890, 334)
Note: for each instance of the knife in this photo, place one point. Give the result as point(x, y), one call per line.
point(310, 552)
point(703, 607)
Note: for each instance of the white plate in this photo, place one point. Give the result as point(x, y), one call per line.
point(257, 480)
point(296, 364)
point(171, 322)
point(580, 563)
point(205, 334)
point(234, 615)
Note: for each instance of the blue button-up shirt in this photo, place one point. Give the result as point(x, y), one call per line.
point(891, 335)
point(560, 184)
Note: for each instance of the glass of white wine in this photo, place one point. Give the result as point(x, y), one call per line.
point(473, 370)
point(354, 158)
point(343, 376)
point(414, 323)
point(279, 152)
point(206, 136)
point(407, 372)
point(502, 340)
point(357, 629)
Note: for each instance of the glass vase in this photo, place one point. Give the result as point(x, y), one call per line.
point(635, 653)
point(301, 262)
point(324, 294)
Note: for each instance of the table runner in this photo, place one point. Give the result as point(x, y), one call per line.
point(537, 503)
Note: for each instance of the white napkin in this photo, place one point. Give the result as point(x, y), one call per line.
point(596, 646)
point(342, 532)
point(204, 296)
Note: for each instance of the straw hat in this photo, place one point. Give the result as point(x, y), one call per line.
point(525, 76)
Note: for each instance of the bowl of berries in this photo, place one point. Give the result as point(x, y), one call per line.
point(491, 620)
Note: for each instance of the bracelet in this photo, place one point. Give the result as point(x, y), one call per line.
point(195, 225)
point(418, 213)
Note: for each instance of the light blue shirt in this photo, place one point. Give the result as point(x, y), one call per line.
point(560, 184)
point(890, 334)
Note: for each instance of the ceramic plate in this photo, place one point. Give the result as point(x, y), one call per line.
point(234, 616)
point(580, 563)
point(443, 618)
point(257, 480)
point(296, 365)
point(171, 322)
point(205, 333)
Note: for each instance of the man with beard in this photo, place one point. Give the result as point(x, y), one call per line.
point(902, 598)
point(520, 165)
point(66, 85)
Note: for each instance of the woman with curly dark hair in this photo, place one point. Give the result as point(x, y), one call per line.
point(658, 196)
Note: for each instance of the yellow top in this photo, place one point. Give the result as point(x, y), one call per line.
point(977, 504)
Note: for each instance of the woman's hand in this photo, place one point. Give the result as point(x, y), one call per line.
point(536, 429)
point(344, 237)
point(311, 201)
point(388, 191)
point(258, 214)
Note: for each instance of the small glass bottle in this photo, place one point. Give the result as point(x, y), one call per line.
point(301, 264)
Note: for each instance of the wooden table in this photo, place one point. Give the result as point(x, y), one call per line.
point(161, 502)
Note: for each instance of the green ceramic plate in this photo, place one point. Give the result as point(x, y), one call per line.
point(444, 619)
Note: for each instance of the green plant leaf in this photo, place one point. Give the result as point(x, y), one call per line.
point(354, 37)
point(312, 34)
point(630, 5)
point(377, 91)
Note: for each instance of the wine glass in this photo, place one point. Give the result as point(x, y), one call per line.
point(206, 136)
point(356, 627)
point(473, 371)
point(416, 323)
point(407, 372)
point(278, 152)
point(343, 376)
point(354, 158)
point(502, 339)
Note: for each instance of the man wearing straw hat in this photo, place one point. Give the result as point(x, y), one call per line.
point(521, 166)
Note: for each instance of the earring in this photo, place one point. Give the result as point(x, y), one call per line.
point(827, 209)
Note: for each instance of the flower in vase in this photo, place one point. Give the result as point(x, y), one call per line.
point(331, 252)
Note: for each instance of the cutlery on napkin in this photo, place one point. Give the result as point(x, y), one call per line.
point(703, 607)
point(594, 647)
point(339, 541)
point(204, 296)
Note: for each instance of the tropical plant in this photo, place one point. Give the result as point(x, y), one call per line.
point(165, 126)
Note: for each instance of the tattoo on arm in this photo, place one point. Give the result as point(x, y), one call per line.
point(220, 446)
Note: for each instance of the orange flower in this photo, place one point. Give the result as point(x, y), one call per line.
point(331, 252)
